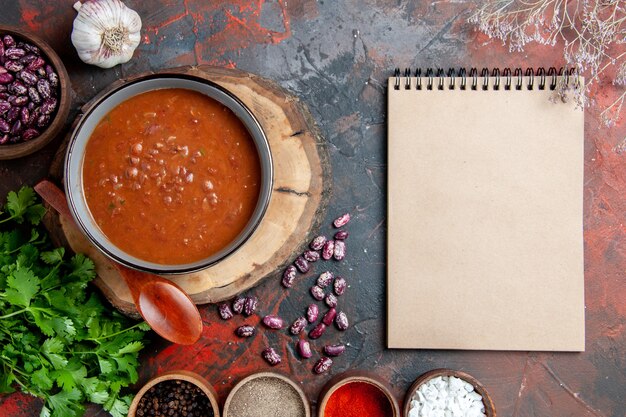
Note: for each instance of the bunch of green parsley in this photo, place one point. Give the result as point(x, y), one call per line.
point(58, 341)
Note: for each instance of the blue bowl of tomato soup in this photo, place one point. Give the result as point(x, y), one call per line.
point(168, 173)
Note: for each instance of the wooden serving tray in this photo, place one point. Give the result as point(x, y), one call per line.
point(302, 181)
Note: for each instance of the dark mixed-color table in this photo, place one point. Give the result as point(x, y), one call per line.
point(336, 56)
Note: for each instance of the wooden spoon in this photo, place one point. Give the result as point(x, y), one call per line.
point(164, 305)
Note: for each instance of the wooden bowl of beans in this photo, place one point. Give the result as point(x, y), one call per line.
point(168, 173)
point(448, 391)
point(34, 93)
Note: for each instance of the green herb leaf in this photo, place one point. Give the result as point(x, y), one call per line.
point(23, 285)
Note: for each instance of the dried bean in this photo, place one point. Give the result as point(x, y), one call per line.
point(342, 220)
point(52, 76)
point(27, 59)
point(334, 350)
point(312, 312)
point(238, 304)
point(4, 96)
point(35, 64)
point(4, 106)
point(322, 365)
point(273, 322)
point(8, 41)
point(30, 134)
point(43, 120)
point(16, 129)
point(271, 356)
point(4, 126)
point(330, 300)
point(17, 88)
point(304, 349)
point(6, 78)
point(340, 250)
point(341, 235)
point(302, 264)
point(3, 87)
point(49, 105)
point(317, 331)
point(24, 116)
point(32, 48)
point(14, 53)
point(13, 66)
point(34, 95)
point(18, 100)
point(311, 255)
point(329, 317)
point(225, 312)
point(318, 243)
point(41, 72)
point(28, 77)
point(289, 276)
point(1, 50)
point(317, 293)
point(4, 138)
point(328, 250)
point(297, 326)
point(13, 114)
point(245, 331)
point(342, 321)
point(339, 286)
point(43, 86)
point(325, 279)
point(249, 307)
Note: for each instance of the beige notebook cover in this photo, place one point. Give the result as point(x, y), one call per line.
point(485, 233)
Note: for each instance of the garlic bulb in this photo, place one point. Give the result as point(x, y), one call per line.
point(106, 32)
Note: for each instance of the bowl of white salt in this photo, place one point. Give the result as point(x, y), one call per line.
point(450, 393)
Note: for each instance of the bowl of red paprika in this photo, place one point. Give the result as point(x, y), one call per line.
point(357, 394)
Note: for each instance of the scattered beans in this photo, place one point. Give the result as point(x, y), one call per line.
point(245, 331)
point(302, 264)
point(298, 326)
point(322, 365)
point(271, 356)
point(339, 286)
point(318, 243)
point(342, 220)
point(289, 276)
point(341, 235)
point(342, 321)
point(311, 255)
point(317, 331)
point(328, 250)
point(340, 250)
point(238, 304)
point(325, 279)
point(273, 322)
point(225, 312)
point(174, 398)
point(329, 317)
point(317, 293)
point(312, 313)
point(304, 348)
point(334, 350)
point(330, 300)
point(250, 305)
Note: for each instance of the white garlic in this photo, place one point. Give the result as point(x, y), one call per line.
point(106, 32)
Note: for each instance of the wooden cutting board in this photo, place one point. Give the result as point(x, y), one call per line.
point(302, 183)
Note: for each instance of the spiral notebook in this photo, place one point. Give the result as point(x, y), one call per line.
point(485, 211)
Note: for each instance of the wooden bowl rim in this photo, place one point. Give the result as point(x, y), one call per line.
point(183, 375)
point(21, 149)
point(355, 376)
point(267, 374)
point(490, 409)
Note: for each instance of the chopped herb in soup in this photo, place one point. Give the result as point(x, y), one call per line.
point(171, 176)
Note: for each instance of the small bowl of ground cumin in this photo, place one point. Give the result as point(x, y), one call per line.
point(176, 394)
point(267, 394)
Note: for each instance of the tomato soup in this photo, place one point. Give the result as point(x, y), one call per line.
point(171, 176)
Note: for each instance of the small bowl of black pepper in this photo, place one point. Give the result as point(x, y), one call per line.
point(176, 394)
